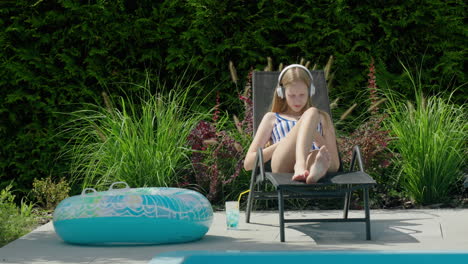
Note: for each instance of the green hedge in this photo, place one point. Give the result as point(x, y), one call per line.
point(55, 54)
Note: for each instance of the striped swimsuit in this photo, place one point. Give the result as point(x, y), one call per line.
point(283, 126)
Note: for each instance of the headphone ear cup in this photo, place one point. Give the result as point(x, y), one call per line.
point(312, 89)
point(279, 91)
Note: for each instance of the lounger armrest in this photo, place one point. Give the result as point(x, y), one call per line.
point(356, 157)
point(259, 167)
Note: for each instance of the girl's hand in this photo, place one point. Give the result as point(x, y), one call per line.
point(319, 140)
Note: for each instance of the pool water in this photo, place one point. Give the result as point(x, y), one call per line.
point(328, 257)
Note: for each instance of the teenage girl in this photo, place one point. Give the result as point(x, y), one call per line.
point(297, 137)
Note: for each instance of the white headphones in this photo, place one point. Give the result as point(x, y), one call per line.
point(280, 89)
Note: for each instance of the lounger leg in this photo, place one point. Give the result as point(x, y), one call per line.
point(347, 201)
point(249, 206)
point(345, 208)
point(367, 211)
point(281, 213)
point(250, 199)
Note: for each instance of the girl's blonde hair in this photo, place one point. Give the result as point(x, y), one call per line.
point(292, 75)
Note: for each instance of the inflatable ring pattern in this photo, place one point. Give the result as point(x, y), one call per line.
point(171, 203)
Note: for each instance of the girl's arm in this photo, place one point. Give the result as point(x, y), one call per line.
point(325, 120)
point(330, 133)
point(262, 136)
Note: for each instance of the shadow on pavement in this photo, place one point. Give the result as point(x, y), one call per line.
point(382, 232)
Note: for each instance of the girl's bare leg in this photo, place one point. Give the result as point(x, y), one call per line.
point(330, 142)
point(292, 152)
point(327, 159)
point(310, 119)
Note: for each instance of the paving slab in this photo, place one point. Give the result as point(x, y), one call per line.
point(392, 230)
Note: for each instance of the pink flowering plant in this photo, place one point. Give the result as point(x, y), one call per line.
point(218, 153)
point(370, 136)
point(245, 127)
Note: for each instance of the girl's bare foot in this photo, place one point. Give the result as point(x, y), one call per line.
point(300, 173)
point(320, 166)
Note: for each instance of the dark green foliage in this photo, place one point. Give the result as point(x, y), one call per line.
point(15, 221)
point(55, 54)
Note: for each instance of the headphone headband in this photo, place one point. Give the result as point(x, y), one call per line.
point(280, 88)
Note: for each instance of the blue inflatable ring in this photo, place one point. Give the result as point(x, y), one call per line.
point(133, 215)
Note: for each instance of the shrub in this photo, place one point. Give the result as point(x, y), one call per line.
point(372, 141)
point(370, 136)
point(217, 158)
point(245, 126)
point(48, 193)
point(141, 143)
point(430, 138)
point(219, 148)
point(14, 221)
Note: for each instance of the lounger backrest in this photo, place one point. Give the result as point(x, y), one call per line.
point(264, 83)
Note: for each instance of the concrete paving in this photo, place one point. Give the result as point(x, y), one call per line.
point(392, 230)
